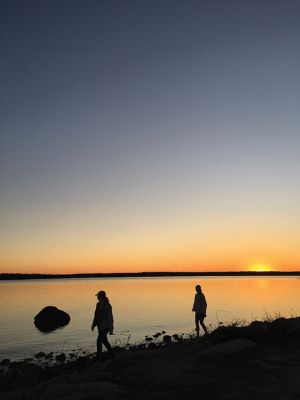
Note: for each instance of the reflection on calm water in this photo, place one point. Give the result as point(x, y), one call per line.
point(141, 307)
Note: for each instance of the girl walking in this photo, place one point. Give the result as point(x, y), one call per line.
point(104, 321)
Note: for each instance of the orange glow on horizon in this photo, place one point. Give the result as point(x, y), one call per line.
point(192, 247)
point(261, 268)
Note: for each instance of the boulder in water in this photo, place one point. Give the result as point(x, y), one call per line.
point(51, 318)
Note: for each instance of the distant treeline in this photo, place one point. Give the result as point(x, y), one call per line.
point(9, 276)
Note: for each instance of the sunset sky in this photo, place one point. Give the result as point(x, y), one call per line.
point(149, 135)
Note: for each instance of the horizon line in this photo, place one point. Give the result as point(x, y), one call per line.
point(20, 275)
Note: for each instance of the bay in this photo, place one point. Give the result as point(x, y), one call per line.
point(141, 306)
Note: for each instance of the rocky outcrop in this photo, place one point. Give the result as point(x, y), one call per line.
point(236, 368)
point(51, 318)
point(230, 347)
point(260, 331)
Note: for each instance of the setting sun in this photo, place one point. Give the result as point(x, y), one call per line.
point(260, 268)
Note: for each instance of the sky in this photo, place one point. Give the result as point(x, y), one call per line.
point(149, 135)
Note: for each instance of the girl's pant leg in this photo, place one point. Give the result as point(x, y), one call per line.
point(102, 338)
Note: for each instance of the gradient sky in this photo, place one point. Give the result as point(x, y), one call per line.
point(149, 135)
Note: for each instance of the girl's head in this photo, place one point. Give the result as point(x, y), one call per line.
point(101, 296)
point(198, 288)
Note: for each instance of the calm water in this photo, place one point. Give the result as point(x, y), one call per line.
point(141, 307)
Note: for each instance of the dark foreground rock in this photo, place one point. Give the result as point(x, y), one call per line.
point(261, 331)
point(41, 354)
point(167, 339)
point(232, 369)
point(60, 357)
point(51, 318)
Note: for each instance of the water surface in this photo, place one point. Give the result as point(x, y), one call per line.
point(141, 306)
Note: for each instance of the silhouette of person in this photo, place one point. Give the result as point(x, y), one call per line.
point(200, 309)
point(104, 321)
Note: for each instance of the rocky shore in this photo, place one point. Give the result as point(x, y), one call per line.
point(258, 361)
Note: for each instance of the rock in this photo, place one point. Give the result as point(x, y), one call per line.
point(152, 345)
point(60, 357)
point(293, 327)
point(167, 339)
point(140, 346)
point(82, 391)
point(230, 347)
point(148, 339)
point(156, 335)
point(49, 356)
point(223, 333)
point(51, 318)
point(5, 362)
point(163, 332)
point(39, 355)
point(175, 336)
point(118, 348)
point(278, 329)
point(258, 331)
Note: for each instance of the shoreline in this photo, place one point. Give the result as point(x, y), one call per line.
point(19, 276)
point(233, 362)
point(258, 330)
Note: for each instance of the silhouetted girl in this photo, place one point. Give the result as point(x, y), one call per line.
point(200, 309)
point(104, 320)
